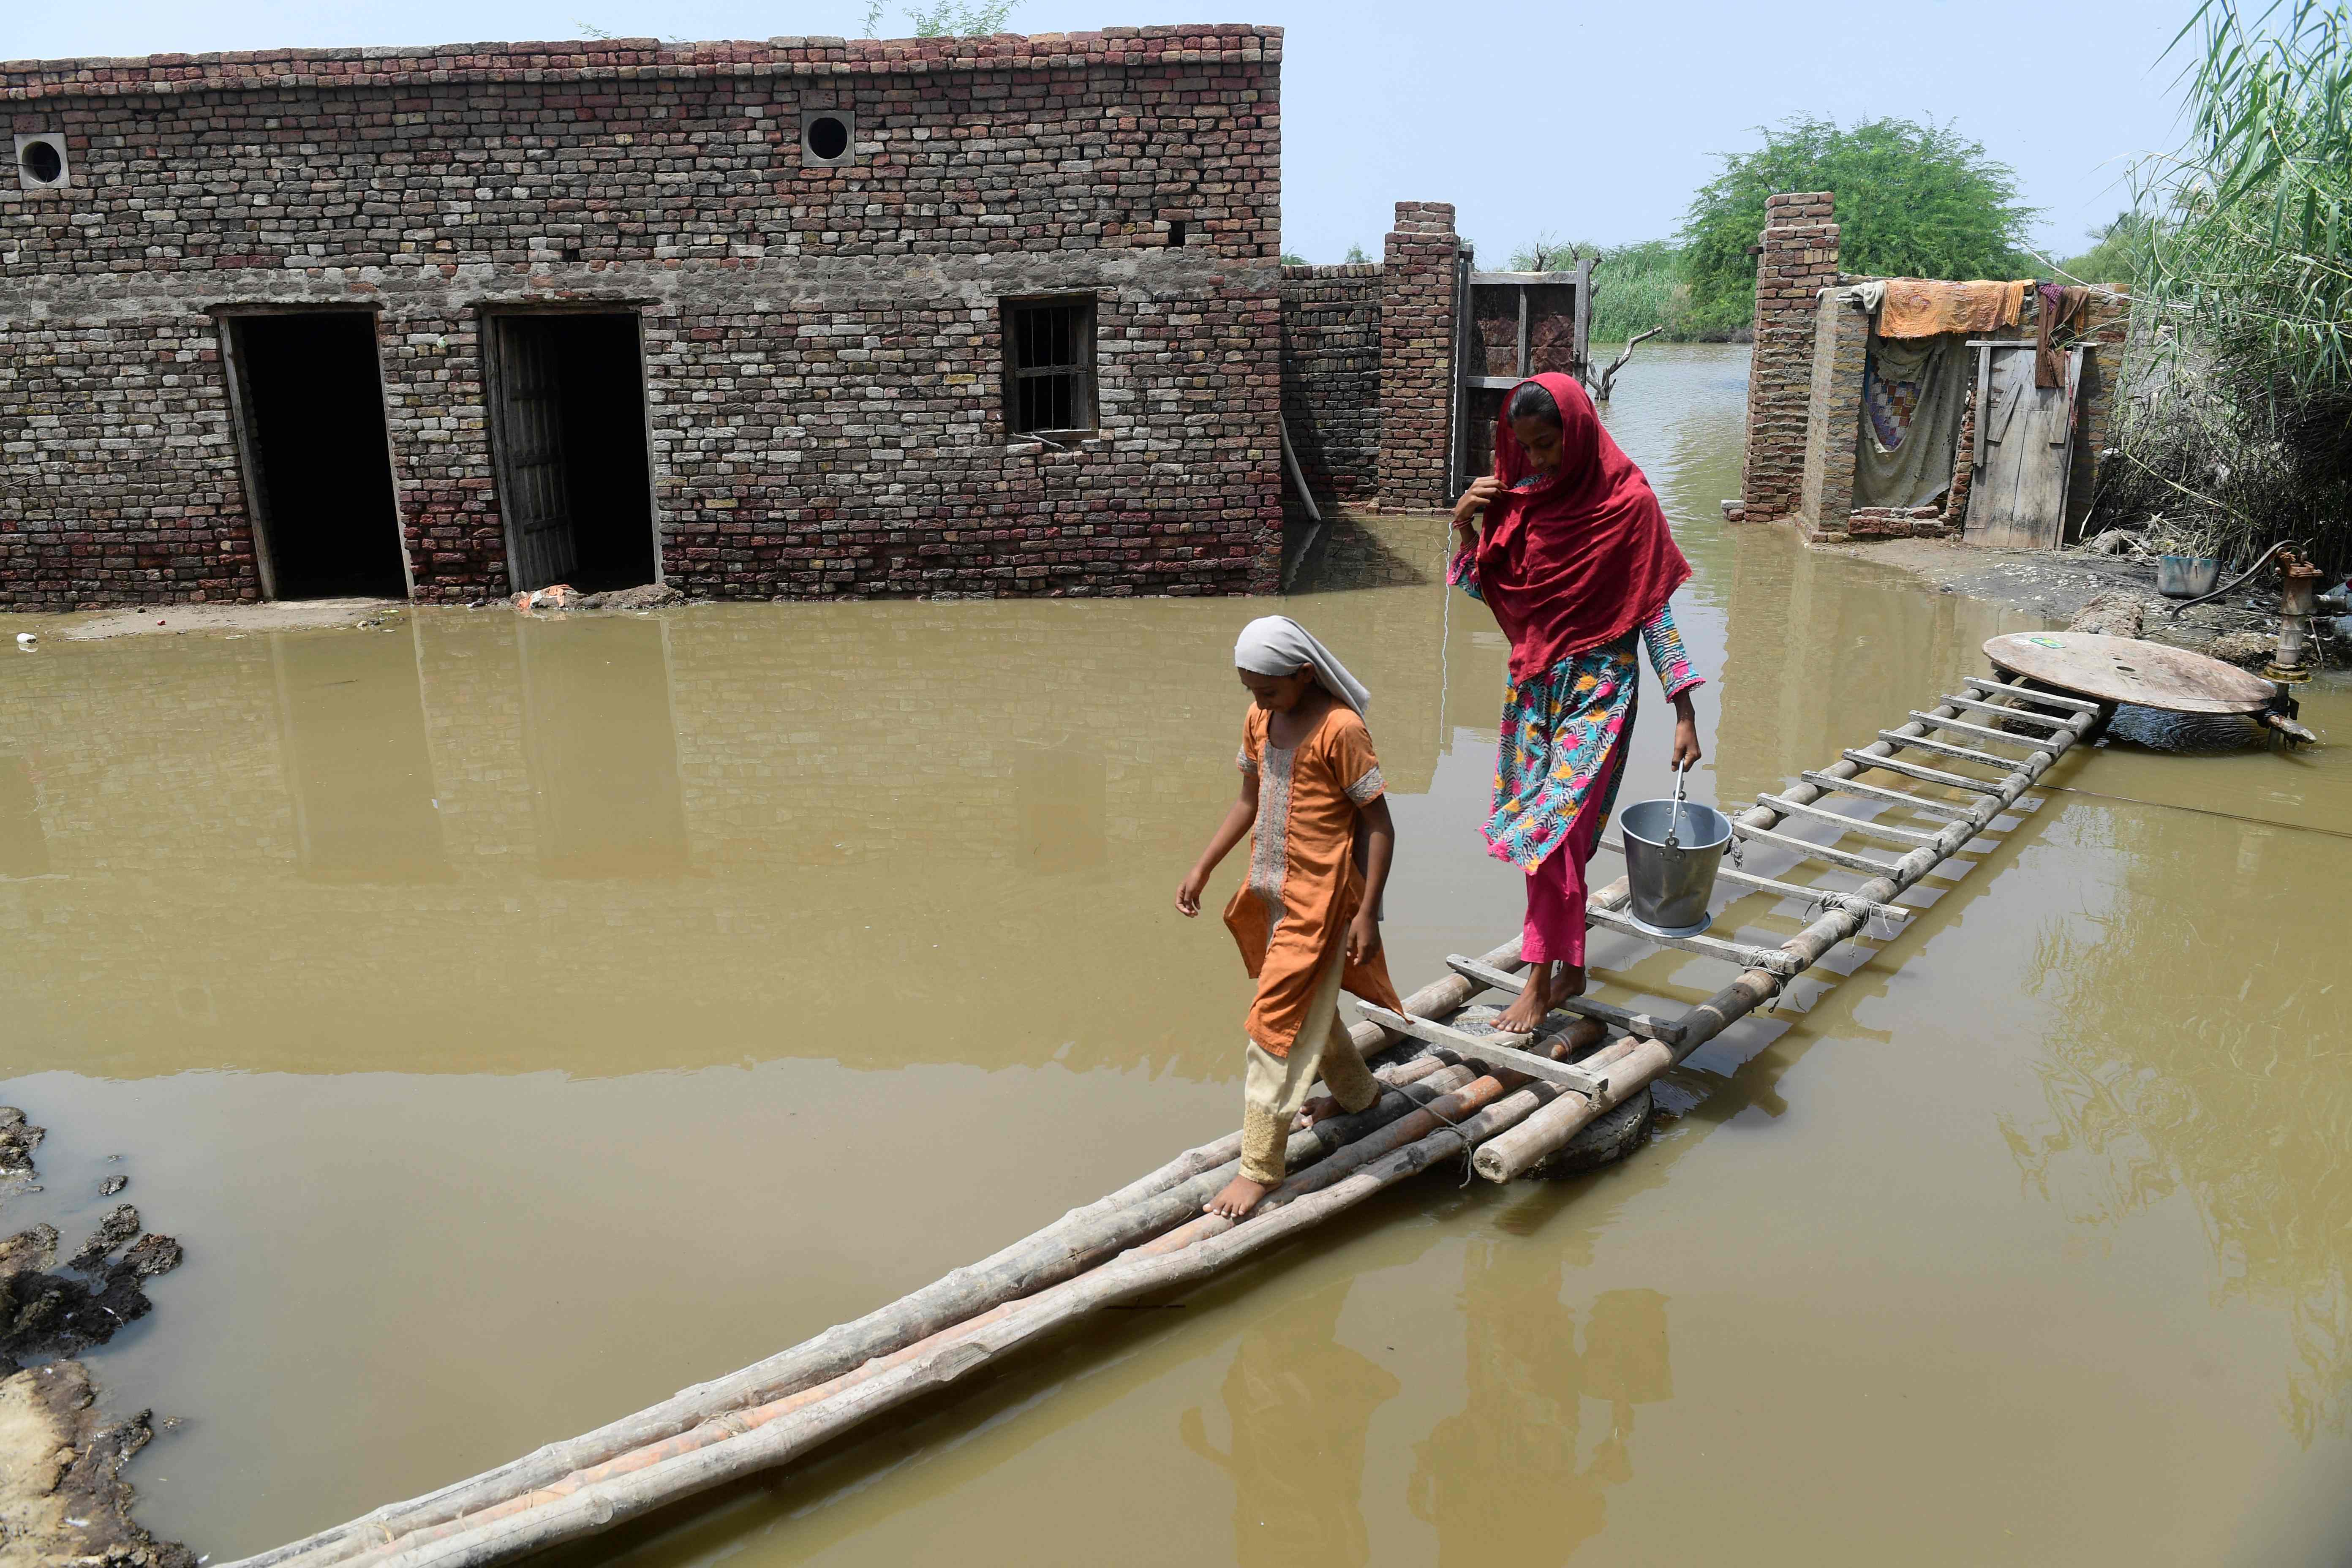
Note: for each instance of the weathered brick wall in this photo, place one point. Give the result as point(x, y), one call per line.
point(1833, 412)
point(1417, 301)
point(2105, 326)
point(1797, 260)
point(1331, 377)
point(822, 344)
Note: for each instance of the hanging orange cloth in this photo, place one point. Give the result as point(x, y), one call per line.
point(1924, 307)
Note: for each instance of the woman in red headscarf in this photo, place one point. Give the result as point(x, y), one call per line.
point(1575, 560)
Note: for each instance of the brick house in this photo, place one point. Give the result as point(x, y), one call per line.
point(1805, 390)
point(806, 317)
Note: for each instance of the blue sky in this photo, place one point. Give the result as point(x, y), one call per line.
point(1585, 121)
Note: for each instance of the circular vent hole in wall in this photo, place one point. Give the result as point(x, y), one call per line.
point(41, 162)
point(827, 137)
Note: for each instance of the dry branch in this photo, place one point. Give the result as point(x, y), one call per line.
point(1609, 377)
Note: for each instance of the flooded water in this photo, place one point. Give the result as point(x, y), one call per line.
point(519, 1021)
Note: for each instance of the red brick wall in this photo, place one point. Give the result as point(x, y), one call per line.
point(1417, 353)
point(822, 345)
point(1798, 259)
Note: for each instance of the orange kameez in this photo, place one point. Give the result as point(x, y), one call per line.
point(1305, 881)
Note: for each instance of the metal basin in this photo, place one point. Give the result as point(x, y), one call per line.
point(1670, 886)
point(2187, 576)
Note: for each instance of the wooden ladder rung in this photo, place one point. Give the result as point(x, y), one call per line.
point(1985, 732)
point(2047, 698)
point(1812, 851)
point(1490, 1049)
point(1944, 749)
point(2008, 713)
point(1926, 775)
point(1910, 837)
point(1642, 1023)
point(1794, 889)
point(1772, 960)
point(1852, 902)
point(1944, 808)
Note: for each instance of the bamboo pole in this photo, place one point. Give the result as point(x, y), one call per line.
point(589, 1501)
point(1546, 1132)
point(1081, 1238)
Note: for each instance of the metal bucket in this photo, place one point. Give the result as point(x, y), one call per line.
point(2187, 576)
point(1671, 886)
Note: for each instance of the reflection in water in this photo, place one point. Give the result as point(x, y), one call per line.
point(920, 791)
point(1501, 1479)
point(357, 766)
point(2240, 1093)
point(1062, 791)
point(602, 748)
point(1300, 1405)
point(23, 848)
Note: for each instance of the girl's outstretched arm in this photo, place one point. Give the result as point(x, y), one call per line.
point(1238, 818)
point(1380, 850)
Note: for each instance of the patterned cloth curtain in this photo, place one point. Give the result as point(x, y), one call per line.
point(1913, 390)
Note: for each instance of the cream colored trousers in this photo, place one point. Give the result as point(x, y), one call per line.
point(1274, 1087)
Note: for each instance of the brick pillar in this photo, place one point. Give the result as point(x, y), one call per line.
point(1417, 355)
point(1840, 348)
point(1797, 257)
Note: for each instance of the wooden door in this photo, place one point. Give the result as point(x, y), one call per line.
point(2024, 450)
point(540, 545)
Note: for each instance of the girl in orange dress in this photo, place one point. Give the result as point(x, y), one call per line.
point(1307, 917)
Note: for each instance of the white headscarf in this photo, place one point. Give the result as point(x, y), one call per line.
point(1276, 645)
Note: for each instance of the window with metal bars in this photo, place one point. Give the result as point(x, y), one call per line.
point(1049, 365)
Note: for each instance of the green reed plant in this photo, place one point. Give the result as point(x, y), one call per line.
point(2240, 417)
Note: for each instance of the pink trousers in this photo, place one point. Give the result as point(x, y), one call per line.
point(1554, 932)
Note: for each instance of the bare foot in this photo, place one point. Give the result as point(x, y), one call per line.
point(1568, 981)
point(1322, 1108)
point(1580, 1036)
point(1522, 1016)
point(1240, 1197)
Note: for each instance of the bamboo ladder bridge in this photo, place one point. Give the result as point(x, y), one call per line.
point(1446, 1091)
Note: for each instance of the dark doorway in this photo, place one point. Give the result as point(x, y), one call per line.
point(318, 468)
point(567, 416)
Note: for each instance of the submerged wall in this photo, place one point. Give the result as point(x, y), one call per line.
point(823, 356)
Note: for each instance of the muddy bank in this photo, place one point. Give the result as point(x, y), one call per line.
point(2241, 628)
point(62, 1494)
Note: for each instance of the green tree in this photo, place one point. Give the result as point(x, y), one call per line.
point(2119, 249)
point(1912, 201)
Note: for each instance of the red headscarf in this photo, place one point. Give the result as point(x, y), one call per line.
point(1574, 561)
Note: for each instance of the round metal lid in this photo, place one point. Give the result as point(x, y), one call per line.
point(2126, 669)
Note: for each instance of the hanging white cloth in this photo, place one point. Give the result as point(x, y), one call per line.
point(1276, 645)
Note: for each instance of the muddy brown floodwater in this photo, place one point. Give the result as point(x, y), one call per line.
point(520, 1020)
